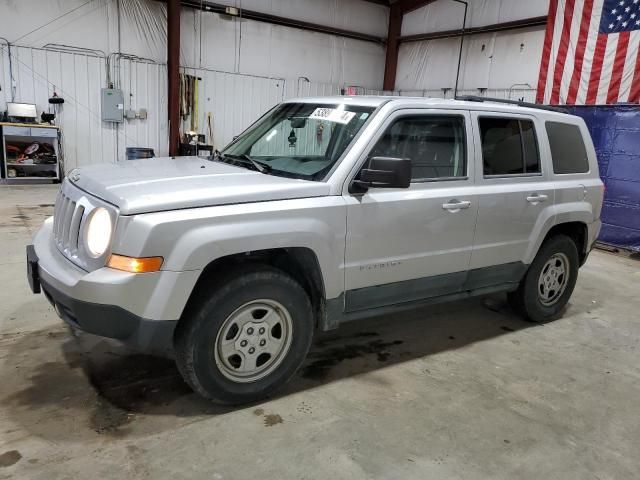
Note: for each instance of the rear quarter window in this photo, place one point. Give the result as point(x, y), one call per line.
point(568, 152)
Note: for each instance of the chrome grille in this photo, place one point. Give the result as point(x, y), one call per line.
point(67, 217)
point(72, 210)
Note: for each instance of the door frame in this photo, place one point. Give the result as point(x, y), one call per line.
point(440, 285)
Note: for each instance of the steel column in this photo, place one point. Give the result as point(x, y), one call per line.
point(393, 43)
point(173, 73)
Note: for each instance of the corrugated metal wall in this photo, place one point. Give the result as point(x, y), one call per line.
point(516, 93)
point(78, 79)
point(234, 100)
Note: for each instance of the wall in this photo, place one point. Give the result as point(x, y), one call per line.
point(246, 67)
point(500, 62)
point(210, 41)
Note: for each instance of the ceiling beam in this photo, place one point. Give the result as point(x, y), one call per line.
point(407, 6)
point(379, 2)
point(496, 27)
point(282, 21)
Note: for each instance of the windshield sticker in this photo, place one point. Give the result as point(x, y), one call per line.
point(332, 115)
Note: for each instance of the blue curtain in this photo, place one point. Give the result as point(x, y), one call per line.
point(616, 134)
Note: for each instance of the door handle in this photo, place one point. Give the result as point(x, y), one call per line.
point(456, 206)
point(536, 198)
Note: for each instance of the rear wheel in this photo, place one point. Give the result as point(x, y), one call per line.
point(247, 338)
point(549, 282)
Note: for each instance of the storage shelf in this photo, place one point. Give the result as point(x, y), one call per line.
point(31, 164)
point(30, 178)
point(21, 136)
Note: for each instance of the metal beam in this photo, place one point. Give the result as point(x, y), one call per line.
point(407, 6)
point(391, 59)
point(173, 73)
point(396, 13)
point(386, 3)
point(496, 27)
point(282, 21)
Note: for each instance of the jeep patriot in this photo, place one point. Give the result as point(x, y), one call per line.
point(323, 211)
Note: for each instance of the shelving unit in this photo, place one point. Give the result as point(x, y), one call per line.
point(29, 153)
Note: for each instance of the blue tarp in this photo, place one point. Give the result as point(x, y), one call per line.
point(616, 134)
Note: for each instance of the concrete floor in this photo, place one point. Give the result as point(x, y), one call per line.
point(464, 390)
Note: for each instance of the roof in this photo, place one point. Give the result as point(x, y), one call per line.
point(376, 101)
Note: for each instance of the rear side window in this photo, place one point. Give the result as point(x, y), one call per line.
point(568, 152)
point(509, 146)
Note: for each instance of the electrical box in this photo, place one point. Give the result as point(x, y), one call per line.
point(112, 104)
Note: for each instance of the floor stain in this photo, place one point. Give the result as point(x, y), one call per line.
point(12, 457)
point(272, 419)
point(107, 419)
point(323, 361)
point(258, 411)
point(383, 356)
point(131, 382)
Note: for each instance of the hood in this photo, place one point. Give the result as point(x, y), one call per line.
point(157, 184)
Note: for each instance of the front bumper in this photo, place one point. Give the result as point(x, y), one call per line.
point(140, 310)
point(111, 321)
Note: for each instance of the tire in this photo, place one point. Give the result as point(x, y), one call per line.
point(535, 299)
point(213, 341)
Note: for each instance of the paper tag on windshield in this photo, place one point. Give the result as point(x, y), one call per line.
point(332, 115)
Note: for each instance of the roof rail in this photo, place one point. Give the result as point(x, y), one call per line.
point(475, 98)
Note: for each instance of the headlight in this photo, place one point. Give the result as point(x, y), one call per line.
point(99, 232)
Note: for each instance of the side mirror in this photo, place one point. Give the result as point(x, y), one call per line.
point(383, 172)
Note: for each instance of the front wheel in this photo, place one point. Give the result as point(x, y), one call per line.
point(549, 282)
point(247, 338)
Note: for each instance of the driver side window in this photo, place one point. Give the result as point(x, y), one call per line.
point(434, 144)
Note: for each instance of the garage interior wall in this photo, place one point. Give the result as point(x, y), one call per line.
point(505, 63)
point(245, 66)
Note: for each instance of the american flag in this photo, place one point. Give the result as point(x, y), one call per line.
point(591, 53)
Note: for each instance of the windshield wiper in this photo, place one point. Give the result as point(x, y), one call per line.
point(259, 166)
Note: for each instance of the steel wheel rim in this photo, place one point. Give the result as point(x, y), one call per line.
point(253, 341)
point(553, 279)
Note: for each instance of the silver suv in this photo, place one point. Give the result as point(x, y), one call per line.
point(325, 210)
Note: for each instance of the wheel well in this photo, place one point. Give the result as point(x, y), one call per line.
point(577, 231)
point(299, 262)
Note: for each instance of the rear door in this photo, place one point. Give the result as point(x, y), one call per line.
point(513, 189)
point(414, 243)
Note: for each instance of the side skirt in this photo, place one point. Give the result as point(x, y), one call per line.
point(412, 294)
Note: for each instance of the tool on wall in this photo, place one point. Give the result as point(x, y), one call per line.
point(189, 89)
point(209, 128)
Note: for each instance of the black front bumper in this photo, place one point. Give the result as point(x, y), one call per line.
point(110, 321)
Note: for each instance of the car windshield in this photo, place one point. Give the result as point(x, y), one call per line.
point(298, 140)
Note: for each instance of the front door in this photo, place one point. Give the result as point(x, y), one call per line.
point(409, 244)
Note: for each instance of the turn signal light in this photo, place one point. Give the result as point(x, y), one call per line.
point(135, 265)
